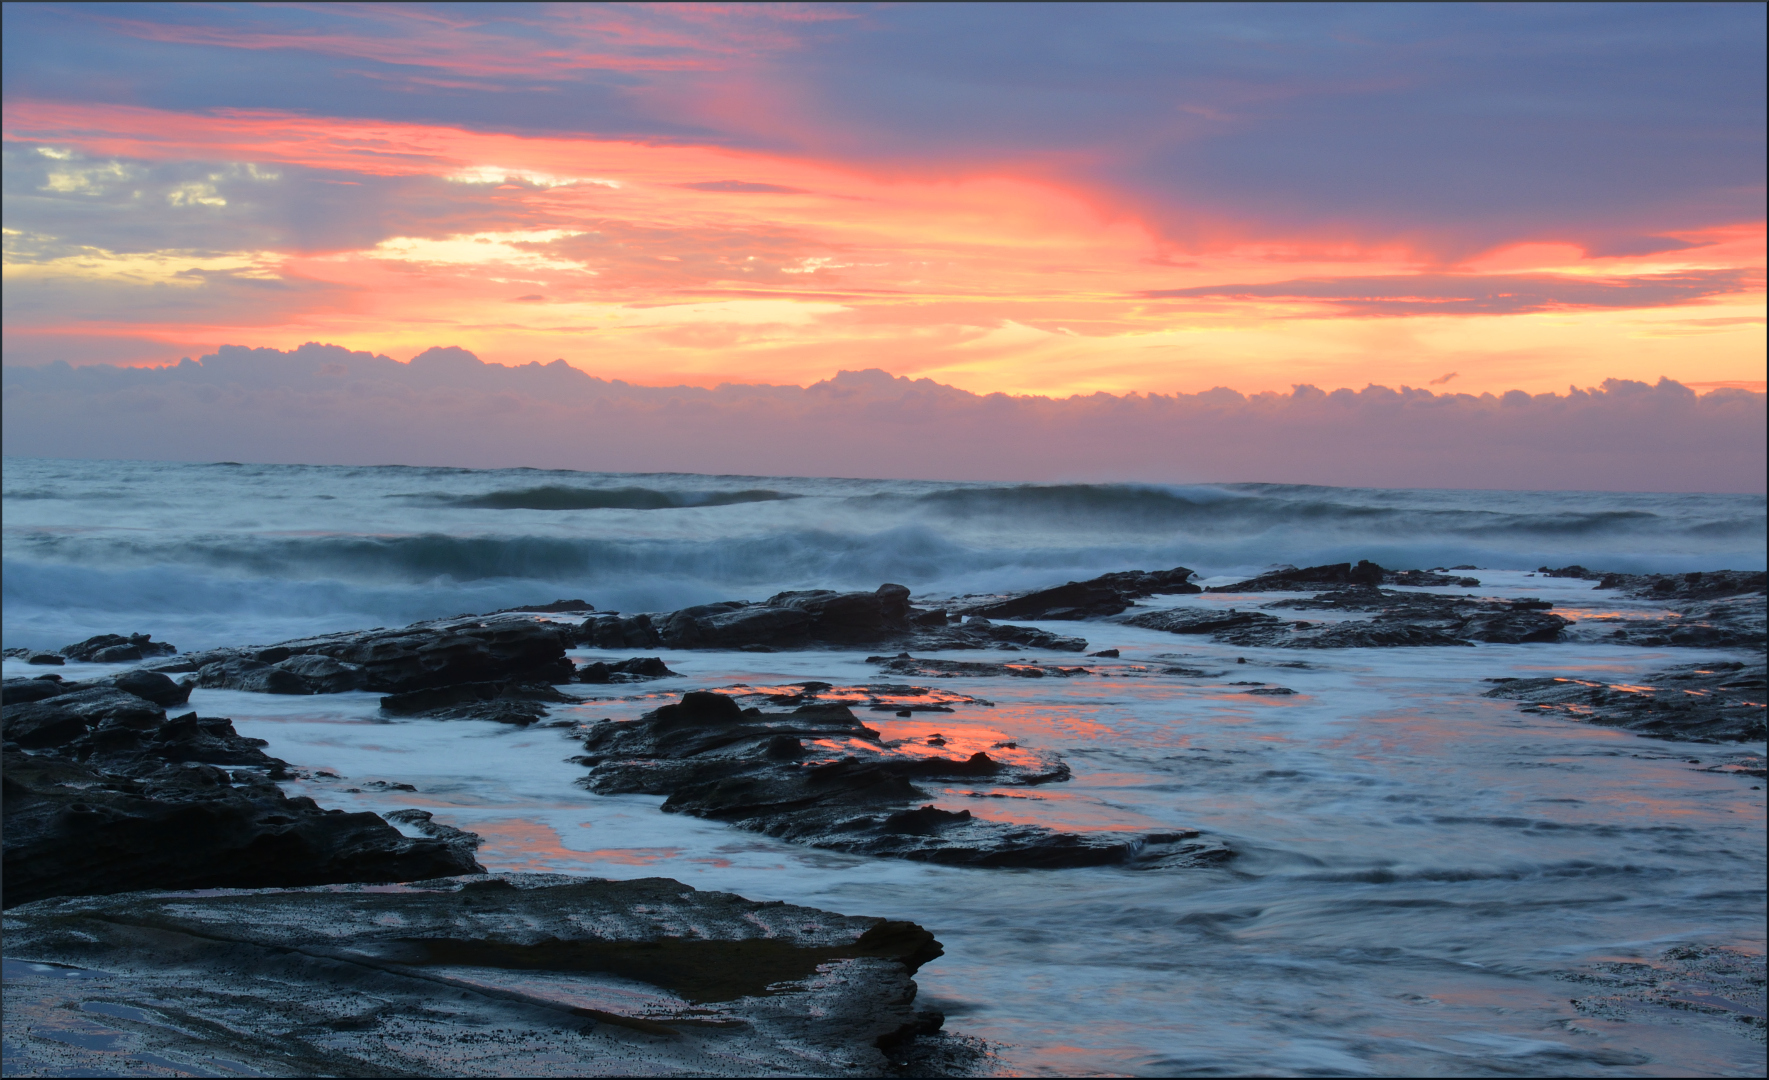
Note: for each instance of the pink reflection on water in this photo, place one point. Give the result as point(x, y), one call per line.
point(523, 844)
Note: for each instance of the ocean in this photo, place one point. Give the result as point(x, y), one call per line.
point(1425, 879)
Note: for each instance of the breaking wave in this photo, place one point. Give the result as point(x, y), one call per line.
point(560, 497)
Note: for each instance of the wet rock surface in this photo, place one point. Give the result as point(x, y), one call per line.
point(1338, 575)
point(813, 618)
point(817, 775)
point(1400, 619)
point(104, 793)
point(508, 975)
point(1723, 701)
point(1097, 597)
point(423, 656)
point(102, 649)
point(1712, 609)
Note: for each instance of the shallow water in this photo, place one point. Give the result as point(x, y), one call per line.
point(1422, 874)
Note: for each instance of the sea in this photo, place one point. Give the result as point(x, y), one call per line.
point(1425, 882)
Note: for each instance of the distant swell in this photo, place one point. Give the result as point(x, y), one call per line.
point(559, 497)
point(1250, 510)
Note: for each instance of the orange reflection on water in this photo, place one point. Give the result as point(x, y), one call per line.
point(521, 844)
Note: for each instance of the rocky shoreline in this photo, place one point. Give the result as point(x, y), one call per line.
point(118, 807)
point(517, 974)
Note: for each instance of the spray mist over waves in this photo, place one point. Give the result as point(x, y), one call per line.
point(231, 554)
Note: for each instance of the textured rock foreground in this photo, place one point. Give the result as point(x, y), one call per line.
point(1723, 701)
point(509, 975)
point(104, 793)
point(817, 775)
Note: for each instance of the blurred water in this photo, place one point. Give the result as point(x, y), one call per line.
point(1421, 873)
point(203, 554)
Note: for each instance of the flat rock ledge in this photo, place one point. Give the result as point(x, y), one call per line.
point(1722, 701)
point(1399, 619)
point(508, 975)
point(816, 775)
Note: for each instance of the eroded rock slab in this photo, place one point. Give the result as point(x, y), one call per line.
point(817, 775)
point(422, 656)
point(816, 618)
point(1723, 701)
point(508, 975)
point(1095, 598)
point(1400, 619)
point(1340, 575)
point(1713, 609)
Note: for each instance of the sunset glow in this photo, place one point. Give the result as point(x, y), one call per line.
point(744, 229)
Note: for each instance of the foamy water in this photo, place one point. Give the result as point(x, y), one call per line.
point(1420, 870)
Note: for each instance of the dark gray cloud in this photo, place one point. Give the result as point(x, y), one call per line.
point(1482, 294)
point(1447, 128)
point(326, 405)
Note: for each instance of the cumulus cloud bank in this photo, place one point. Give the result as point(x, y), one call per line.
point(322, 404)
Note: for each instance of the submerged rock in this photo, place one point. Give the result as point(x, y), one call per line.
point(507, 975)
point(817, 775)
point(1723, 701)
point(103, 793)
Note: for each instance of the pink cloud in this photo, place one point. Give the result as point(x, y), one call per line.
point(326, 405)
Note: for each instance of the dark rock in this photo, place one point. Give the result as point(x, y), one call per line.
point(637, 669)
point(104, 793)
point(557, 607)
point(1715, 702)
point(1339, 575)
point(1697, 585)
point(117, 649)
point(1108, 594)
point(815, 618)
point(506, 703)
point(1707, 610)
point(327, 982)
point(75, 830)
point(1574, 571)
point(1402, 619)
point(67, 718)
point(1112, 653)
point(46, 658)
point(507, 648)
point(19, 691)
point(818, 776)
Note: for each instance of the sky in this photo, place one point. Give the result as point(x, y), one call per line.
point(1035, 199)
